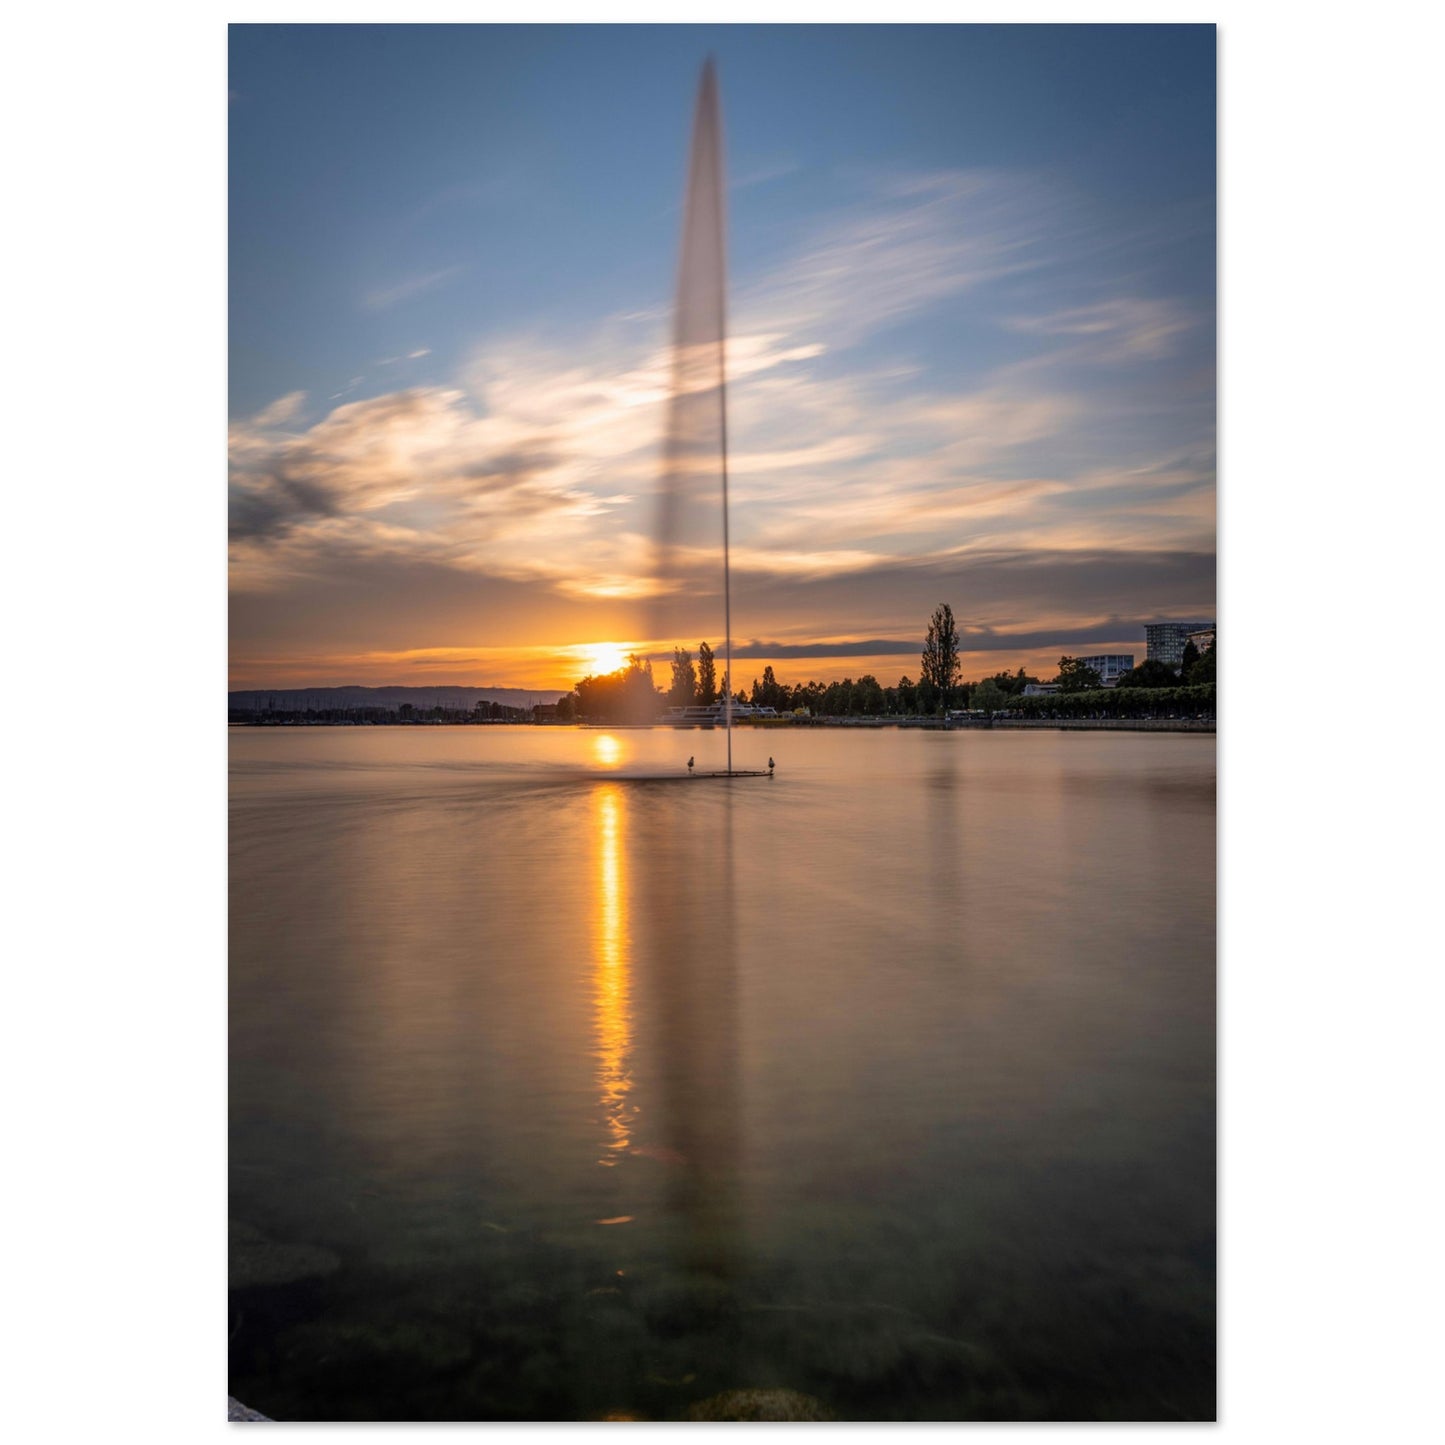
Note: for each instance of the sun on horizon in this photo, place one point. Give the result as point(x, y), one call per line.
point(605, 657)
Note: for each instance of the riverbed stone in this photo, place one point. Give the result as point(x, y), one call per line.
point(760, 1405)
point(257, 1260)
point(236, 1411)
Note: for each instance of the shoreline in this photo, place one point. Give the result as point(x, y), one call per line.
point(1063, 724)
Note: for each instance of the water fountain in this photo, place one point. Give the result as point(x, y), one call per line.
point(694, 490)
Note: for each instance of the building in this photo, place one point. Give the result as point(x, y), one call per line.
point(1110, 666)
point(1203, 639)
point(1165, 640)
point(1040, 689)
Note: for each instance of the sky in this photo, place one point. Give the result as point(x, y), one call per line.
point(971, 350)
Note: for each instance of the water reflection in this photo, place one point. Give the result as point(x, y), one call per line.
point(962, 983)
point(612, 975)
point(664, 1017)
point(692, 927)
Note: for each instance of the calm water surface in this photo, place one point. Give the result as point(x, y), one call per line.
point(559, 1092)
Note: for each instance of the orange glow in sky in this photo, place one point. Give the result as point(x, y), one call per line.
point(447, 465)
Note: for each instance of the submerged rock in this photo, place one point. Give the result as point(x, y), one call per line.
point(760, 1405)
point(235, 1410)
point(257, 1260)
point(409, 1344)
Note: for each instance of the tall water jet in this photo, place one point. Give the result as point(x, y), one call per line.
point(694, 490)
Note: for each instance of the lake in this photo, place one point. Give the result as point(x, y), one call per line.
point(563, 1087)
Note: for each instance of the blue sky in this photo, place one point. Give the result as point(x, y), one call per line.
point(972, 289)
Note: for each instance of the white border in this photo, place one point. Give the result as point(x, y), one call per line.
point(115, 595)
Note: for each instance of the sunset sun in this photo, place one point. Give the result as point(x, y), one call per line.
point(605, 657)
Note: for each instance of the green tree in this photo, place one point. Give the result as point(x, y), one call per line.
point(1013, 683)
point(769, 692)
point(868, 696)
point(1150, 673)
point(706, 676)
point(907, 695)
point(1202, 670)
point(1075, 677)
point(940, 653)
point(1191, 656)
point(627, 695)
point(684, 679)
point(989, 696)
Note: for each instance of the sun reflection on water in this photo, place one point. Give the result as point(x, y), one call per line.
point(611, 974)
point(606, 749)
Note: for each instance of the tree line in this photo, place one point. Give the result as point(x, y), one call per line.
point(631, 694)
point(1196, 701)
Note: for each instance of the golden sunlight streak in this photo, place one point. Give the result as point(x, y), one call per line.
point(611, 976)
point(606, 749)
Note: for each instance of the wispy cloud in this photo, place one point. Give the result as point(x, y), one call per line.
point(853, 467)
point(1127, 328)
point(282, 410)
point(406, 289)
point(919, 240)
point(409, 356)
point(764, 172)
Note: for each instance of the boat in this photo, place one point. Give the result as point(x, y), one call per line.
point(715, 713)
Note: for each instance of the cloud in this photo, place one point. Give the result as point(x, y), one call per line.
point(419, 475)
point(283, 409)
point(970, 640)
point(865, 482)
point(1127, 328)
point(761, 174)
point(383, 297)
point(918, 241)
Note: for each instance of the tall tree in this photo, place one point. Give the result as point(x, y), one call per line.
point(940, 653)
point(768, 692)
point(1202, 669)
point(706, 676)
point(684, 679)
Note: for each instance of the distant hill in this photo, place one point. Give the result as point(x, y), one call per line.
point(287, 699)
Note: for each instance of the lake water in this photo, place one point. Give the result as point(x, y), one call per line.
point(563, 1092)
